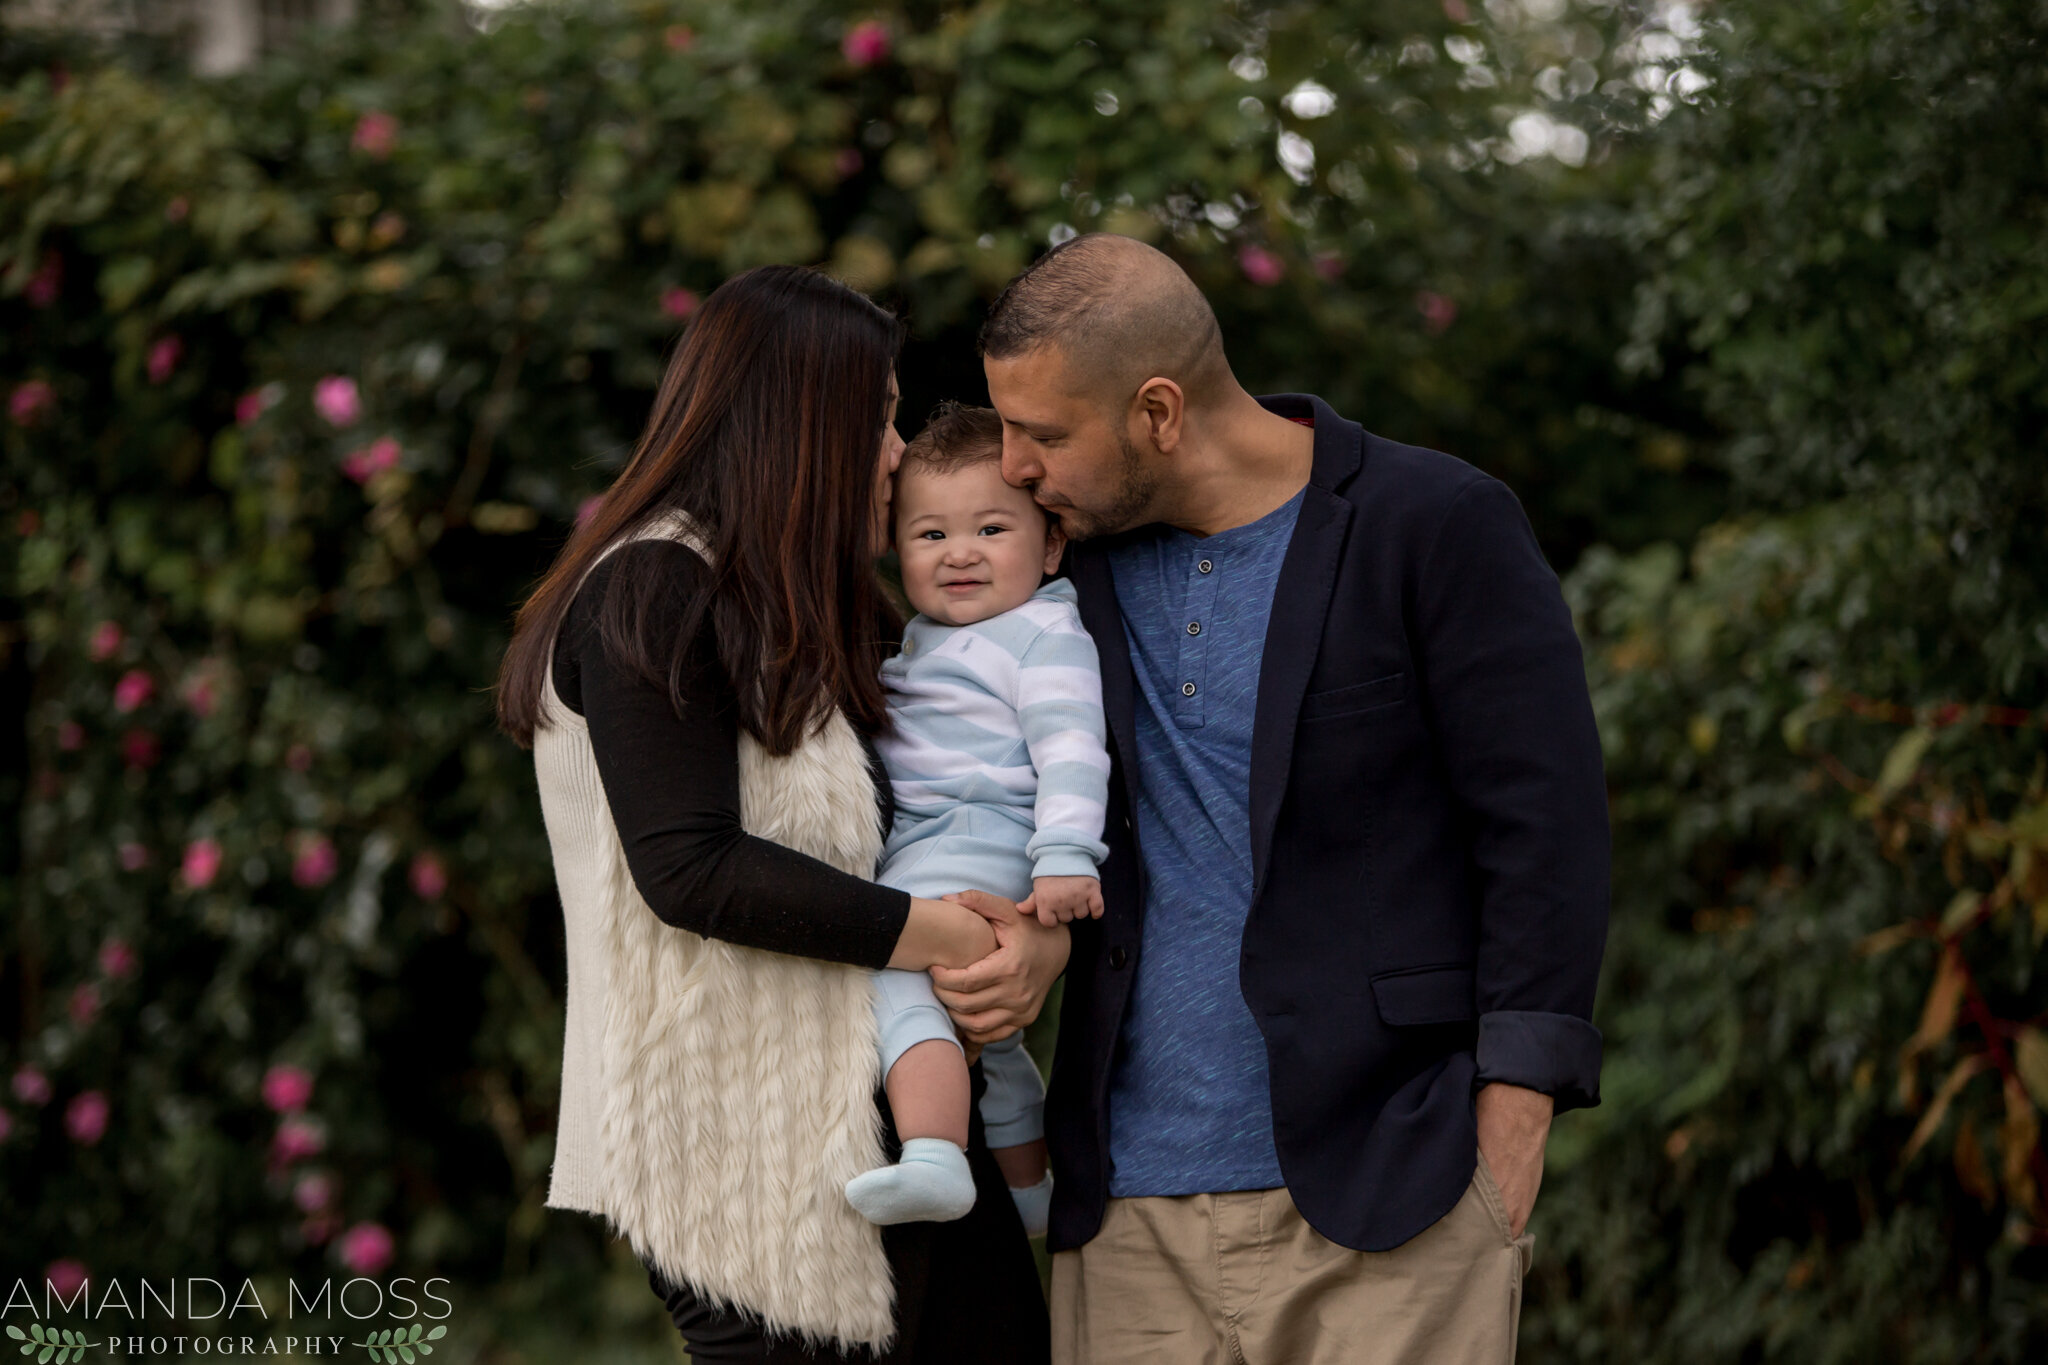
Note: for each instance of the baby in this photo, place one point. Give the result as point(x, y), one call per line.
point(996, 760)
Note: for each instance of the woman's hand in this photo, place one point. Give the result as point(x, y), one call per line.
point(1004, 991)
point(942, 934)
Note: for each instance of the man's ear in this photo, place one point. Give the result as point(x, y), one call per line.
point(1055, 544)
point(1160, 410)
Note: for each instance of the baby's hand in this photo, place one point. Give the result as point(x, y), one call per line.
point(1058, 900)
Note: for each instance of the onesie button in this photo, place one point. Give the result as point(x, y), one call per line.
point(1118, 958)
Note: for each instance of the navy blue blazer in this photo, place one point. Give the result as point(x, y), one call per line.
point(1429, 846)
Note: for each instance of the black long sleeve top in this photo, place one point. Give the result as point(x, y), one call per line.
point(671, 777)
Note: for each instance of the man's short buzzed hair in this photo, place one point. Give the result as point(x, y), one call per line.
point(956, 437)
point(1119, 310)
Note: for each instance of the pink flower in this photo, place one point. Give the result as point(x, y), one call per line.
point(106, 638)
point(372, 460)
point(175, 211)
point(32, 1087)
point(249, 407)
point(133, 690)
point(30, 401)
point(1438, 312)
point(866, 42)
point(48, 281)
point(202, 689)
point(848, 161)
point(298, 758)
point(133, 857)
point(678, 303)
point(429, 878)
point(140, 749)
point(164, 353)
point(1457, 12)
point(316, 861)
point(85, 1118)
point(335, 398)
point(117, 959)
point(1260, 266)
point(296, 1140)
point(6, 1125)
point(286, 1089)
point(376, 134)
point(680, 38)
point(1330, 265)
point(587, 509)
point(84, 1004)
point(64, 1277)
point(202, 863)
point(70, 736)
point(313, 1192)
point(366, 1248)
point(317, 1229)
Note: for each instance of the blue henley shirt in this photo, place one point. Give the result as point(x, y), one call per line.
point(1189, 1108)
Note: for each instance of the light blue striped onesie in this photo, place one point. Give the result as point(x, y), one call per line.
point(997, 761)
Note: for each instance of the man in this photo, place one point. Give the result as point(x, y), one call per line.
point(1357, 884)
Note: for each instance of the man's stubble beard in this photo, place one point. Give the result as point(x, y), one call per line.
point(1130, 504)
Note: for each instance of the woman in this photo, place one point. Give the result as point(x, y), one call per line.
point(697, 678)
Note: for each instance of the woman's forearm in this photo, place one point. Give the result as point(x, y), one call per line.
point(941, 934)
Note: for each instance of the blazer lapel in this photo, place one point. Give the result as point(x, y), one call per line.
point(1089, 567)
point(1294, 632)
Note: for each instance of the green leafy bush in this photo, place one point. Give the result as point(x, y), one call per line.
point(1824, 727)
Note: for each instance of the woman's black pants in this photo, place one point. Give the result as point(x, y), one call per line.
point(967, 1292)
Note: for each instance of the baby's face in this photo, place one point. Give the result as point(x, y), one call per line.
point(972, 546)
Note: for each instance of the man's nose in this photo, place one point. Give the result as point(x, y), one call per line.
point(1019, 467)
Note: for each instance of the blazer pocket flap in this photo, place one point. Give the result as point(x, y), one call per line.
point(1344, 701)
point(1433, 995)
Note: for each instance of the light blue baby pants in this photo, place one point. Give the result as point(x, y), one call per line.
point(968, 848)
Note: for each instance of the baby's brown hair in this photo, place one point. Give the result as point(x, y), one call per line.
point(957, 436)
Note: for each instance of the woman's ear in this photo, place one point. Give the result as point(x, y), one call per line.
point(1055, 543)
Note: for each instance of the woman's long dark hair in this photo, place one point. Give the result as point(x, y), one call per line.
point(765, 432)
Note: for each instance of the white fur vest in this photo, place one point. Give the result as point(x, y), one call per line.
point(716, 1099)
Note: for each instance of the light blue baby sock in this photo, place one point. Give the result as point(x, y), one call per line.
point(931, 1184)
point(1033, 1204)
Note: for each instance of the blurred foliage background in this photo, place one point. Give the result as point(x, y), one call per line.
point(309, 369)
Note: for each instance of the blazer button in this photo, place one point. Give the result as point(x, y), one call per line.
point(1118, 958)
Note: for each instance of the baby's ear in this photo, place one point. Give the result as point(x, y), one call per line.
point(1055, 543)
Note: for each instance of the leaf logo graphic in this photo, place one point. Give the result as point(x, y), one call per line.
point(58, 1343)
point(394, 1344)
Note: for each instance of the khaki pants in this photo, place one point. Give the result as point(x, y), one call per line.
point(1241, 1279)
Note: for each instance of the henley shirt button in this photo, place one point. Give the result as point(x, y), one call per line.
point(1204, 566)
point(1194, 627)
point(1187, 689)
point(1118, 957)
